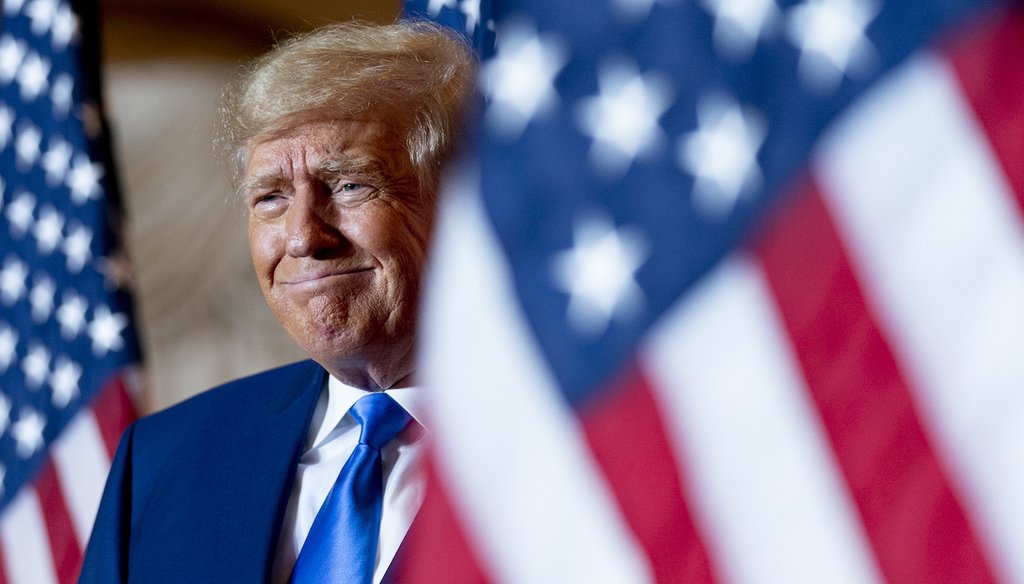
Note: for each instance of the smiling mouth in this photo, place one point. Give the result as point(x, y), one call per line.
point(315, 277)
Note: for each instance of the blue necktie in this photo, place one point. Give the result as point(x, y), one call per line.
point(342, 543)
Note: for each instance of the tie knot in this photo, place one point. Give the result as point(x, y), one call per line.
point(381, 419)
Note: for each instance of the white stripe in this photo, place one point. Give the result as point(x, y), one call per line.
point(28, 558)
point(514, 461)
point(82, 463)
point(933, 231)
point(769, 497)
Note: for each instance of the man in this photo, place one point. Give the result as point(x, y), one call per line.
point(338, 139)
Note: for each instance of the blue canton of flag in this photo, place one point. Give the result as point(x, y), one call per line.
point(725, 293)
point(471, 18)
point(65, 331)
point(678, 122)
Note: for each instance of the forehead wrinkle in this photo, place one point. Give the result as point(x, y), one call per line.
point(307, 152)
point(277, 164)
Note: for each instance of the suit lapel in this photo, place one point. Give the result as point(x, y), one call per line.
point(258, 476)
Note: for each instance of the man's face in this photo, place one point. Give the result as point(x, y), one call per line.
point(338, 232)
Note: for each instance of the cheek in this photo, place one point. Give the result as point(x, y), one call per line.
point(409, 249)
point(415, 224)
point(264, 249)
point(407, 239)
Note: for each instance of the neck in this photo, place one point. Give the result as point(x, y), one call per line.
point(370, 379)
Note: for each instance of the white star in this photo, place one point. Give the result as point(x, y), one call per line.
point(6, 125)
point(623, 118)
point(105, 331)
point(636, 10)
point(8, 348)
point(599, 274)
point(65, 27)
point(36, 366)
point(471, 10)
point(740, 23)
point(41, 13)
point(28, 432)
point(12, 280)
point(27, 145)
point(56, 161)
point(12, 52)
point(5, 413)
point(47, 230)
point(84, 179)
point(722, 154)
point(3, 478)
point(519, 80)
point(12, 7)
point(33, 76)
point(830, 36)
point(19, 213)
point(64, 381)
point(77, 246)
point(71, 315)
point(434, 6)
point(41, 299)
point(60, 94)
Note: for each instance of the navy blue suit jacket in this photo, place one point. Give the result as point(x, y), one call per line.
point(197, 492)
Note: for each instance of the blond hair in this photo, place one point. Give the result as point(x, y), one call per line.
point(347, 69)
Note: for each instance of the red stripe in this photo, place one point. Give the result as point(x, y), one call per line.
point(114, 411)
point(3, 567)
point(627, 437)
point(989, 62)
point(67, 556)
point(915, 524)
point(436, 550)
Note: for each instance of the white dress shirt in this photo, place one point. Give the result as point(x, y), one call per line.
point(331, 439)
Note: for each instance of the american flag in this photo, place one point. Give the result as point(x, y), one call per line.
point(732, 291)
point(66, 343)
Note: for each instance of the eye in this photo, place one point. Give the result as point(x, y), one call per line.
point(353, 193)
point(351, 187)
point(268, 205)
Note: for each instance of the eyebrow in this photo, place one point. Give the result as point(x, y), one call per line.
point(359, 166)
point(260, 182)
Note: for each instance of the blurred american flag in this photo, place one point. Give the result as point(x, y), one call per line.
point(731, 291)
point(67, 346)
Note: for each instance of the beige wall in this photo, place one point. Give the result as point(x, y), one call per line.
point(200, 312)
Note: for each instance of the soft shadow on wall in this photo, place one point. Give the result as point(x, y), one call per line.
point(199, 309)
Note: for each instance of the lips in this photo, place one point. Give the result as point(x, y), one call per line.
point(317, 276)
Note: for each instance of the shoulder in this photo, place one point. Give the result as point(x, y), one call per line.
point(209, 470)
point(231, 406)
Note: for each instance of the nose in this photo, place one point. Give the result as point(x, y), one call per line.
point(311, 226)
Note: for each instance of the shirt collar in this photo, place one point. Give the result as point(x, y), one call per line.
point(337, 398)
